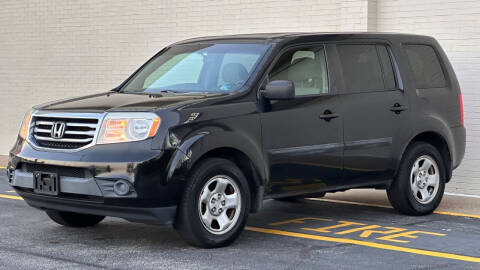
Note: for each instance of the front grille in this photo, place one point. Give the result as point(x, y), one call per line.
point(78, 131)
point(60, 170)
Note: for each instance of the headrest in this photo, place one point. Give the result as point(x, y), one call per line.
point(234, 73)
point(303, 68)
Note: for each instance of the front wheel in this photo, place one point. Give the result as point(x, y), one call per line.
point(420, 182)
point(215, 204)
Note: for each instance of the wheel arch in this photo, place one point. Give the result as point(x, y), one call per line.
point(228, 145)
point(440, 142)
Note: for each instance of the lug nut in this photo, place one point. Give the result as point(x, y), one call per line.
point(219, 196)
point(223, 202)
point(220, 210)
point(214, 209)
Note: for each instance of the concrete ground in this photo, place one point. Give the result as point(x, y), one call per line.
point(350, 230)
point(3, 160)
point(378, 198)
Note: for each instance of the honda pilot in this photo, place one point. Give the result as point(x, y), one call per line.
point(209, 128)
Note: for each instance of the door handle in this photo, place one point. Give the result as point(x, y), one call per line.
point(328, 115)
point(398, 108)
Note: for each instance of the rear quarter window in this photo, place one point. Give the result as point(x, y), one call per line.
point(425, 65)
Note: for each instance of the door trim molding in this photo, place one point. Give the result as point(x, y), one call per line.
point(332, 147)
point(361, 144)
point(309, 149)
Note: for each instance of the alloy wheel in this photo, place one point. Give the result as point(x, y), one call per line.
point(424, 179)
point(219, 204)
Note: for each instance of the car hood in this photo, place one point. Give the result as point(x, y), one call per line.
point(113, 101)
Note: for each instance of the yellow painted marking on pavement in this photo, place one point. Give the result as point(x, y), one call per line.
point(299, 220)
point(2, 167)
point(410, 234)
point(11, 197)
point(367, 244)
point(456, 214)
point(349, 202)
point(11, 191)
point(367, 230)
point(387, 206)
point(327, 229)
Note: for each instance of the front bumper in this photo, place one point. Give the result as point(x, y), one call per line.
point(154, 215)
point(86, 181)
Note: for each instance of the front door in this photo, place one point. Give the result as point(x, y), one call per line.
point(302, 138)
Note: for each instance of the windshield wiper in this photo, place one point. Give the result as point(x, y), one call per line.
point(169, 91)
point(166, 91)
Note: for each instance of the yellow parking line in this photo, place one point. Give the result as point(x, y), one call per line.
point(11, 191)
point(2, 167)
point(387, 206)
point(367, 244)
point(11, 197)
point(349, 202)
point(456, 214)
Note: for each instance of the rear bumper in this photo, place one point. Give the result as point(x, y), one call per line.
point(153, 215)
point(459, 136)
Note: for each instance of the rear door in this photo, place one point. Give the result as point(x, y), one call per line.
point(375, 111)
point(302, 138)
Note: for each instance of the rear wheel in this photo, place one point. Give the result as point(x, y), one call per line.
point(215, 205)
point(420, 182)
point(70, 219)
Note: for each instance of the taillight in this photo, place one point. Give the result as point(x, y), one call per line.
point(460, 101)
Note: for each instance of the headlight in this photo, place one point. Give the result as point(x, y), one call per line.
point(25, 125)
point(128, 127)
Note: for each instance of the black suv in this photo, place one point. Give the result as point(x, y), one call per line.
point(210, 127)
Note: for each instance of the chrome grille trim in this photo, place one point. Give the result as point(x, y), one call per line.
point(81, 125)
point(81, 130)
point(49, 139)
point(87, 133)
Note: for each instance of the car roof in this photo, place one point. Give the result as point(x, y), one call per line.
point(290, 36)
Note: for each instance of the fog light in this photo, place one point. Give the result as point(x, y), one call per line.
point(121, 187)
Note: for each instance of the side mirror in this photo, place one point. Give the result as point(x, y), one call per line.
point(280, 89)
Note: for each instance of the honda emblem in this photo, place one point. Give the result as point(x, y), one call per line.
point(58, 130)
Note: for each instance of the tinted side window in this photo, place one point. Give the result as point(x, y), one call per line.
point(361, 67)
point(425, 66)
point(388, 72)
point(307, 69)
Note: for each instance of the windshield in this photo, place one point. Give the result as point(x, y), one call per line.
point(198, 68)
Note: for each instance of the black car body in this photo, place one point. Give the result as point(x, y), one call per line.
point(352, 134)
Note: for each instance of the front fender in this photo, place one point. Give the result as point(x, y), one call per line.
point(195, 147)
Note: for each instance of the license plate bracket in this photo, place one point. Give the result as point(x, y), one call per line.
point(45, 183)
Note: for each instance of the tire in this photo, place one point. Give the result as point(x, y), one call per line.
point(414, 191)
point(204, 213)
point(70, 219)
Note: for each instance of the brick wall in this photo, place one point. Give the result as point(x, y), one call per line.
point(456, 24)
point(51, 49)
point(54, 49)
